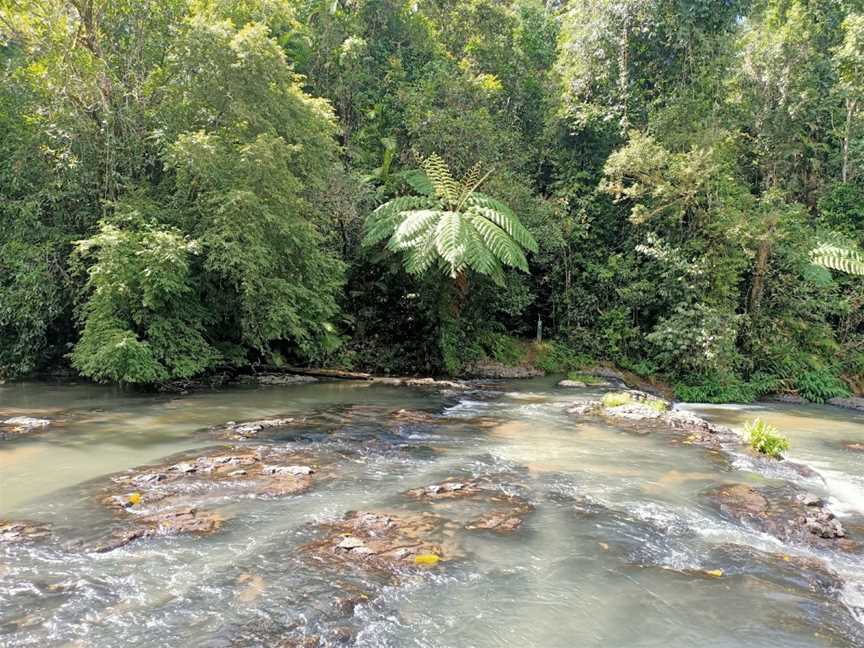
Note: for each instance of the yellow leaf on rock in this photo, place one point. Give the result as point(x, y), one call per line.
point(426, 559)
point(135, 498)
point(717, 573)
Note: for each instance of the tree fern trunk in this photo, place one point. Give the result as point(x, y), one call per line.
point(759, 270)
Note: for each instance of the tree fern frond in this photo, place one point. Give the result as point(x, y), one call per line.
point(477, 255)
point(412, 228)
point(500, 243)
point(450, 241)
point(439, 175)
point(507, 222)
point(421, 257)
point(419, 182)
point(386, 218)
point(839, 257)
point(450, 223)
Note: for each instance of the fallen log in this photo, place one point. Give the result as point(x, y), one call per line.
point(328, 373)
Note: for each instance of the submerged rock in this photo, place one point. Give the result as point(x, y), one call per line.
point(385, 542)
point(854, 446)
point(21, 531)
point(250, 429)
point(853, 403)
point(572, 384)
point(508, 511)
point(16, 425)
point(784, 512)
point(165, 523)
point(259, 471)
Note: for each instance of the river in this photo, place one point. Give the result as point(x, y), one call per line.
point(620, 547)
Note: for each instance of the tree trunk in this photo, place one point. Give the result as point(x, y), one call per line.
point(624, 73)
point(760, 269)
point(851, 105)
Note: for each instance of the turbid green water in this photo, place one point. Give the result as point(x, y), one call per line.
point(614, 554)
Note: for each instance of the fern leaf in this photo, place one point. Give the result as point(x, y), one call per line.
point(839, 257)
point(421, 257)
point(449, 241)
point(386, 218)
point(499, 242)
point(477, 255)
point(412, 228)
point(503, 216)
point(419, 182)
point(439, 175)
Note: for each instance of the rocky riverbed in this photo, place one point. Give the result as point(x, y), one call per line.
point(327, 514)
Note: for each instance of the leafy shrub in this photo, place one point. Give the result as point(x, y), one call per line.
point(616, 399)
point(765, 438)
point(820, 386)
point(557, 357)
point(502, 348)
point(143, 322)
point(696, 339)
point(727, 390)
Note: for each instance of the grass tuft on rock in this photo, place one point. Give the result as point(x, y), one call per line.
point(766, 439)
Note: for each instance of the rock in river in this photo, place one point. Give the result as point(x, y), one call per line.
point(16, 425)
point(19, 531)
point(384, 542)
point(782, 511)
point(572, 384)
point(165, 523)
point(507, 511)
point(171, 498)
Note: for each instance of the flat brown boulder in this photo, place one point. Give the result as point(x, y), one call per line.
point(384, 542)
point(171, 498)
point(166, 523)
point(507, 511)
point(251, 429)
point(256, 471)
point(641, 416)
point(783, 511)
point(854, 446)
point(21, 531)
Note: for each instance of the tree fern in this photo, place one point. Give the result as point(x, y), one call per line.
point(449, 222)
point(836, 255)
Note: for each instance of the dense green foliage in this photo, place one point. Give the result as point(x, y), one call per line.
point(673, 187)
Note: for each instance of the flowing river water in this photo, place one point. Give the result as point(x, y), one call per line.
point(620, 547)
